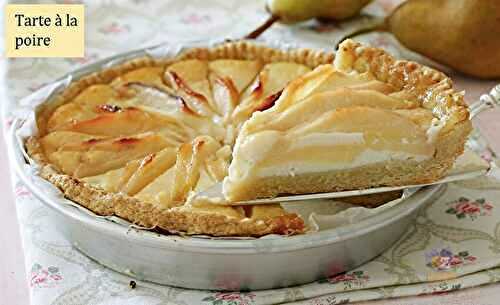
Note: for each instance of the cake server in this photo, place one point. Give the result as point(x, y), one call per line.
point(486, 101)
point(215, 192)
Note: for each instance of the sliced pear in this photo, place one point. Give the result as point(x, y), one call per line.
point(420, 116)
point(241, 72)
point(316, 104)
point(266, 88)
point(156, 99)
point(382, 129)
point(96, 156)
point(205, 180)
point(96, 95)
point(130, 168)
point(125, 122)
point(67, 114)
point(186, 174)
point(338, 80)
point(228, 78)
point(189, 79)
point(54, 140)
point(273, 78)
point(151, 76)
point(83, 107)
point(108, 181)
point(159, 190)
point(303, 85)
point(322, 79)
point(188, 122)
point(190, 159)
point(226, 96)
point(218, 165)
point(341, 137)
point(149, 169)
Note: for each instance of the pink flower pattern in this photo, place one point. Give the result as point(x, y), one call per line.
point(41, 277)
point(194, 18)
point(115, 28)
point(230, 298)
point(464, 207)
point(21, 190)
point(349, 279)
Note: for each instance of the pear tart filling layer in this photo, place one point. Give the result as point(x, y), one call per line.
point(138, 140)
point(365, 121)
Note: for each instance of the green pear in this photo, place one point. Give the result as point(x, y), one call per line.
point(463, 34)
point(291, 11)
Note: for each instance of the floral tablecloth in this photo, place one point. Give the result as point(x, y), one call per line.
point(454, 244)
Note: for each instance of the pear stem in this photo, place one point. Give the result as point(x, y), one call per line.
point(262, 28)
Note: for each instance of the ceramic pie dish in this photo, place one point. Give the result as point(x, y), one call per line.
point(135, 139)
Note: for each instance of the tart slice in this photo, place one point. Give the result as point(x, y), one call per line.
point(367, 121)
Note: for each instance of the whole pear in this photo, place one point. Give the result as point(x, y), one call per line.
point(463, 34)
point(291, 11)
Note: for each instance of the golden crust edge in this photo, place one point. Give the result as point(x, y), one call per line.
point(437, 91)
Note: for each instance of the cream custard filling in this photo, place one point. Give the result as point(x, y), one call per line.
point(317, 152)
point(244, 171)
point(367, 157)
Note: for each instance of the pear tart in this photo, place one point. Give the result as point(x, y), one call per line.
point(139, 139)
point(366, 121)
point(136, 140)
